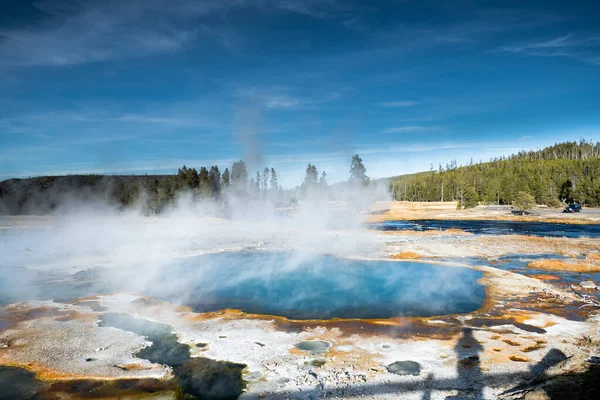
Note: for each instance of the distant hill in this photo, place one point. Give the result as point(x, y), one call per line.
point(43, 194)
point(563, 172)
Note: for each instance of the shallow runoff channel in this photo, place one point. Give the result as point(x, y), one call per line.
point(492, 227)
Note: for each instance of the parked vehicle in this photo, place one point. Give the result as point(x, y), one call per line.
point(572, 208)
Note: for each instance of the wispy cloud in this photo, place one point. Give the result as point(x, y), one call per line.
point(151, 119)
point(287, 97)
point(92, 32)
point(398, 103)
point(312, 8)
point(572, 46)
point(75, 33)
point(282, 102)
point(411, 128)
point(526, 137)
point(104, 124)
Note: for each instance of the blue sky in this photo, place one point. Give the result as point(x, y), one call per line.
point(145, 86)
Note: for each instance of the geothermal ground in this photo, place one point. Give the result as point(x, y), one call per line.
point(103, 307)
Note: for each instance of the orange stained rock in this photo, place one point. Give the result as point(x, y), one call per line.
point(539, 244)
point(545, 277)
point(593, 256)
point(518, 358)
point(405, 255)
point(297, 352)
point(560, 265)
point(134, 367)
point(533, 347)
point(45, 374)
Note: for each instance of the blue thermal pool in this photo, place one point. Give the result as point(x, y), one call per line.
point(322, 287)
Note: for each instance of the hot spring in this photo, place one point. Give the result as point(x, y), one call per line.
point(290, 285)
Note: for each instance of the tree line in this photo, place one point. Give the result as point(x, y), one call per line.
point(155, 193)
point(561, 173)
point(205, 183)
point(211, 184)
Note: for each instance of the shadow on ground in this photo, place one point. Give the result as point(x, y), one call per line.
point(554, 377)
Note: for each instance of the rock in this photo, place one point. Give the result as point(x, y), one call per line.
point(571, 378)
point(405, 368)
point(588, 284)
point(538, 394)
point(572, 365)
point(315, 363)
point(594, 360)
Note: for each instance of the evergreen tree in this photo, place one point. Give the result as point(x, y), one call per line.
point(566, 191)
point(226, 178)
point(310, 180)
point(215, 180)
point(187, 178)
point(274, 185)
point(323, 180)
point(358, 172)
point(265, 181)
point(204, 186)
point(470, 197)
point(239, 174)
point(524, 202)
point(257, 183)
point(239, 179)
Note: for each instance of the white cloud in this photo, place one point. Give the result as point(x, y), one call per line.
point(398, 103)
point(571, 46)
point(282, 102)
point(149, 119)
point(411, 128)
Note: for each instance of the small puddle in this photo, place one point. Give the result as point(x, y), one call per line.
point(405, 368)
point(313, 346)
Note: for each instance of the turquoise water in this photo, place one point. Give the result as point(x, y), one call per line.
point(322, 287)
